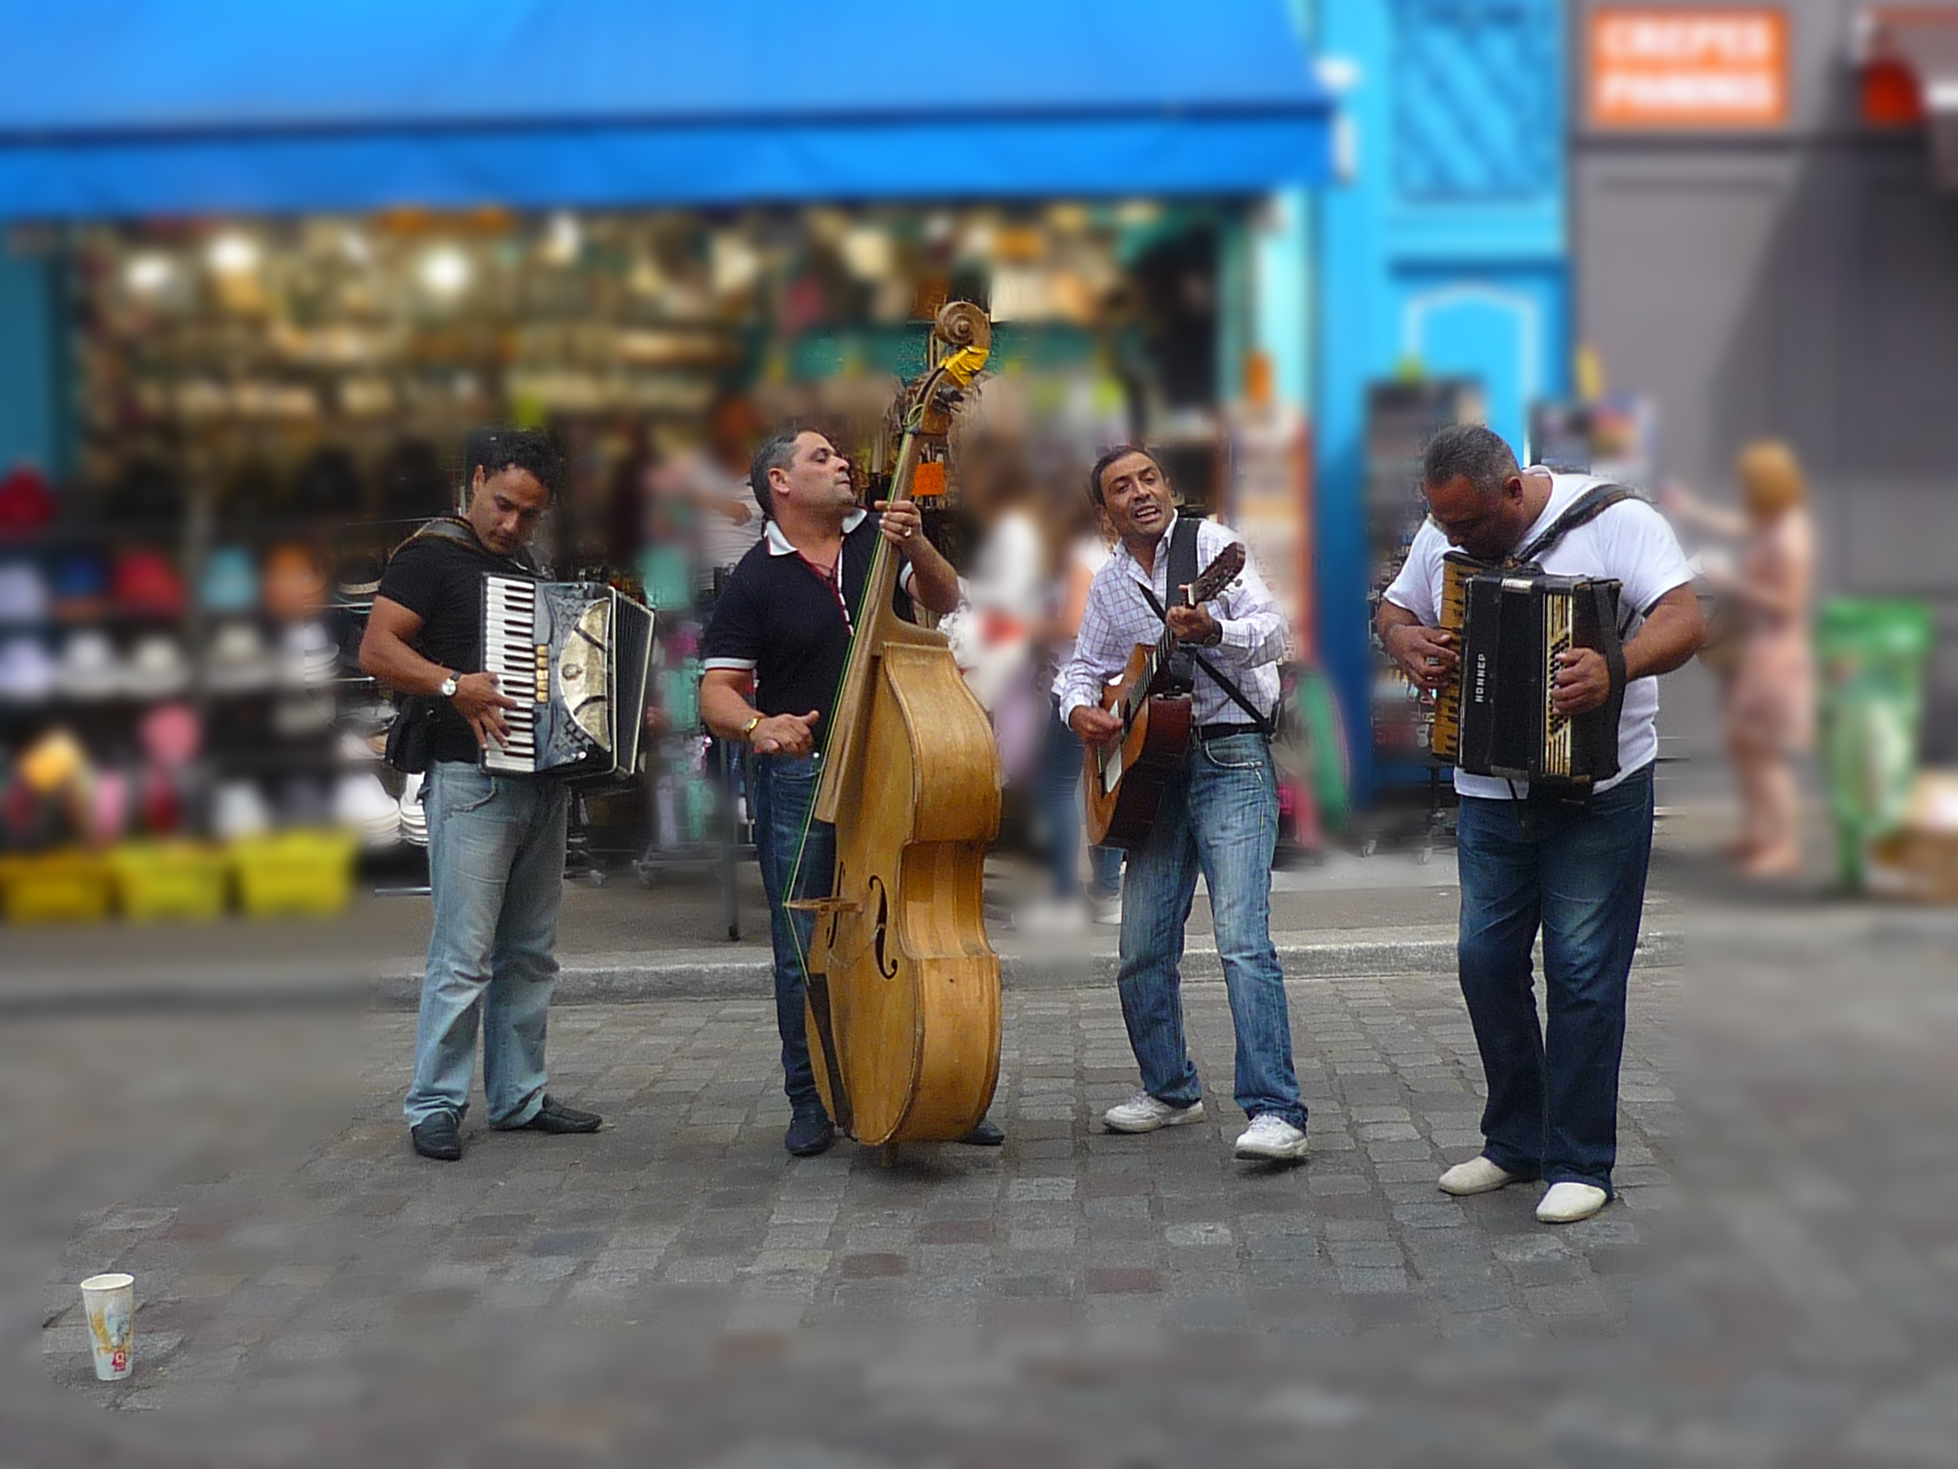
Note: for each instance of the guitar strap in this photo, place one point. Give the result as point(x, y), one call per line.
point(1183, 571)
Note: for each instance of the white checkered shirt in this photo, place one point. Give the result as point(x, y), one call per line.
point(1117, 618)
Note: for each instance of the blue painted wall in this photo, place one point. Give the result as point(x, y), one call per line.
point(1443, 245)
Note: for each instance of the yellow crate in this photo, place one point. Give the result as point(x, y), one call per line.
point(170, 880)
point(308, 873)
point(55, 887)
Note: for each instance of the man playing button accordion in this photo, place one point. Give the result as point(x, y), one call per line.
point(1572, 862)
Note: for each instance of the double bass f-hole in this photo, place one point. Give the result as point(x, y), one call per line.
point(885, 965)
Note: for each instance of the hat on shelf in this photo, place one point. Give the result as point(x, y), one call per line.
point(293, 586)
point(357, 749)
point(171, 735)
point(358, 576)
point(81, 587)
point(305, 801)
point(362, 805)
point(371, 718)
point(27, 671)
point(237, 660)
point(230, 581)
point(145, 581)
point(301, 715)
point(238, 809)
point(108, 807)
point(414, 815)
point(309, 655)
point(156, 668)
point(53, 762)
point(23, 593)
point(26, 502)
point(89, 667)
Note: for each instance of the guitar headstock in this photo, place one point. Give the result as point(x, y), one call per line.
point(1219, 574)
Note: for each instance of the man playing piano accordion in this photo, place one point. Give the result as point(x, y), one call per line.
point(1571, 862)
point(495, 842)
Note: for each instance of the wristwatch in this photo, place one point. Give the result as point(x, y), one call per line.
point(449, 686)
point(748, 730)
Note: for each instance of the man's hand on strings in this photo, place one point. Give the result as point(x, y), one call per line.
point(787, 734)
point(902, 525)
point(1096, 727)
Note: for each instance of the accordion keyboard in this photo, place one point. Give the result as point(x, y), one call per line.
point(1445, 735)
point(1558, 619)
point(511, 652)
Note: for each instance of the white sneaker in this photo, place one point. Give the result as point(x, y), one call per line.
point(1477, 1176)
point(1143, 1113)
point(1566, 1203)
point(1106, 910)
point(1271, 1136)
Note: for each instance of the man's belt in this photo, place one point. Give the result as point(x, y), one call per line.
point(1209, 732)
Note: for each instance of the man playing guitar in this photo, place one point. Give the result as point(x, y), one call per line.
point(1218, 815)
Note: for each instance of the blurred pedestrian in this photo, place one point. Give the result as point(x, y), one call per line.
point(1768, 701)
point(1088, 543)
point(716, 478)
point(1535, 856)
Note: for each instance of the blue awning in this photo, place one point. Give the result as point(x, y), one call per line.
point(163, 107)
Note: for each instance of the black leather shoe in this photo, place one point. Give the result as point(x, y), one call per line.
point(985, 1135)
point(555, 1117)
point(809, 1133)
point(439, 1138)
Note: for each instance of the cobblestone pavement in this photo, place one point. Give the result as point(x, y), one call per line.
point(1777, 1284)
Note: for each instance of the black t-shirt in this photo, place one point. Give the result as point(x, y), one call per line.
point(779, 619)
point(441, 581)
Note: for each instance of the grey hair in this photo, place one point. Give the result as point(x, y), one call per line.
point(777, 453)
point(1470, 451)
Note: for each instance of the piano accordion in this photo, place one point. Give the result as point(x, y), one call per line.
point(1494, 717)
point(575, 656)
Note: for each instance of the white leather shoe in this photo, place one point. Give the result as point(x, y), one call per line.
point(1477, 1176)
point(1566, 1203)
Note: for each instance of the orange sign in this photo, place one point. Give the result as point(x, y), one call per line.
point(1694, 69)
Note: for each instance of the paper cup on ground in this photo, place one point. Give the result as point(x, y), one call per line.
point(110, 1301)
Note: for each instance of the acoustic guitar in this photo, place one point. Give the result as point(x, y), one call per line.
point(1125, 778)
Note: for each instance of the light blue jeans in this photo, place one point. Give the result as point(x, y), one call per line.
point(496, 871)
point(1220, 818)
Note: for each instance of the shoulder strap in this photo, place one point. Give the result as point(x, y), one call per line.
point(1184, 650)
point(1590, 505)
point(457, 531)
point(1182, 557)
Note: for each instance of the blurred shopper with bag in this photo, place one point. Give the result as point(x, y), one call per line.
point(1768, 699)
point(495, 842)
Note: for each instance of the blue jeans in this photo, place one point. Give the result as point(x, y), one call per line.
point(496, 873)
point(1222, 818)
point(784, 793)
point(1580, 874)
point(1060, 808)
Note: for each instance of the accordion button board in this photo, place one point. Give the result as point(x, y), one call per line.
point(575, 656)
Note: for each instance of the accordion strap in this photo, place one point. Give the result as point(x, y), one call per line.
point(1590, 505)
point(459, 532)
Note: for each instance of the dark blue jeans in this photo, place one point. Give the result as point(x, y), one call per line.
point(1580, 874)
point(1220, 818)
point(784, 793)
point(1060, 807)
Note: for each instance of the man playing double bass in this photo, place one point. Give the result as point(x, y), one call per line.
point(774, 655)
point(1218, 815)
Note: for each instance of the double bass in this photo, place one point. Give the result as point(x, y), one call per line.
point(902, 987)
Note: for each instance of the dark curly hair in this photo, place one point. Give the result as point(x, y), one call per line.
point(494, 450)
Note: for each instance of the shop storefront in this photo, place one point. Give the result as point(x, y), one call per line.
point(1767, 245)
point(239, 319)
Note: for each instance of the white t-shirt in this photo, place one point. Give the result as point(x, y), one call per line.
point(1631, 542)
point(722, 542)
